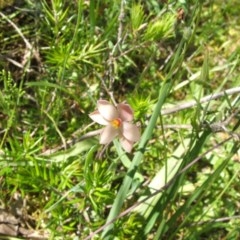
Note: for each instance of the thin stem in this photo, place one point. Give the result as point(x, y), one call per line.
point(194, 103)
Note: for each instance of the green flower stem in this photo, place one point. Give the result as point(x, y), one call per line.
point(127, 181)
point(121, 196)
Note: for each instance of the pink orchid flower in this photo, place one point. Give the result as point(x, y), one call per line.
point(117, 122)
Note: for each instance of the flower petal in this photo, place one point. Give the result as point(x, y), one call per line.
point(107, 110)
point(127, 145)
point(108, 134)
point(130, 132)
point(125, 112)
point(98, 118)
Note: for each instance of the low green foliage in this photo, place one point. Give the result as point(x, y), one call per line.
point(176, 63)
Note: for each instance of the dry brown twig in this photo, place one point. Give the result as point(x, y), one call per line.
point(205, 99)
point(112, 58)
point(30, 50)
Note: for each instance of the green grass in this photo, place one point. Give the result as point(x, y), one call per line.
point(182, 179)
